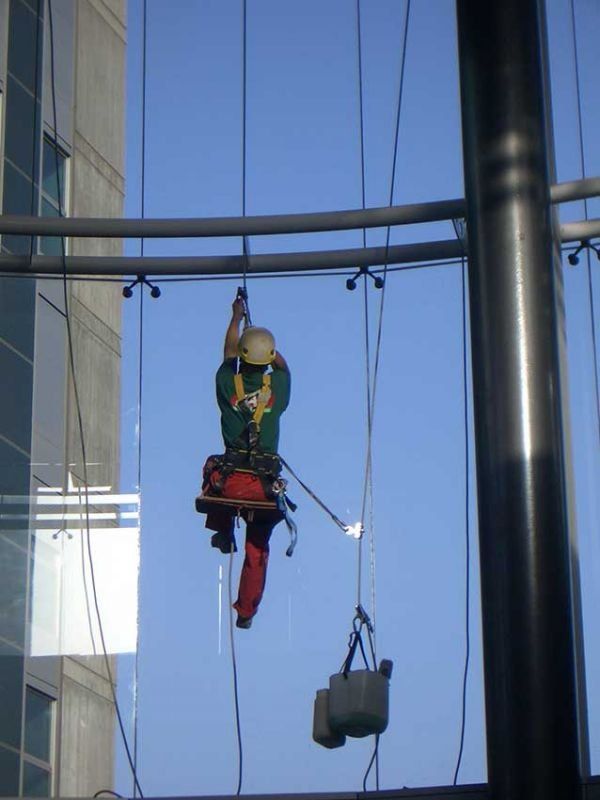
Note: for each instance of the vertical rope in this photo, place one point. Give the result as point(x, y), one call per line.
point(140, 387)
point(244, 95)
point(467, 523)
point(367, 477)
point(79, 415)
point(235, 676)
point(585, 206)
point(35, 139)
point(372, 385)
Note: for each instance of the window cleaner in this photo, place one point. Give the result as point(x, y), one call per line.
point(245, 481)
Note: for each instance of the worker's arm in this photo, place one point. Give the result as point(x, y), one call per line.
point(232, 336)
point(279, 362)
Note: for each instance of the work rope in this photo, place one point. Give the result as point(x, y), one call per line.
point(136, 668)
point(35, 138)
point(245, 242)
point(342, 525)
point(368, 479)
point(585, 206)
point(79, 416)
point(235, 674)
point(465, 371)
point(371, 381)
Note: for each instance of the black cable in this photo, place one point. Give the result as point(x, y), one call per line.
point(140, 376)
point(35, 174)
point(371, 762)
point(79, 415)
point(245, 245)
point(372, 393)
point(236, 698)
point(467, 526)
point(585, 206)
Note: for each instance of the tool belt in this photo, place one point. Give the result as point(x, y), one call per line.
point(266, 466)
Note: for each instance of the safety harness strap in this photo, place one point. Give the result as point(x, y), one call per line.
point(263, 397)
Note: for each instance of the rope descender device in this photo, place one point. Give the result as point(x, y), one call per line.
point(242, 294)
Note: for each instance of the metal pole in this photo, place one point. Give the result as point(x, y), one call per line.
point(532, 734)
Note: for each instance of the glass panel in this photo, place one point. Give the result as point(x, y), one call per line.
point(36, 781)
point(9, 772)
point(49, 179)
point(11, 688)
point(17, 200)
point(23, 37)
point(17, 307)
point(38, 724)
point(20, 134)
point(15, 405)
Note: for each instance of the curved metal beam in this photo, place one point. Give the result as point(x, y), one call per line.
point(418, 253)
point(233, 265)
point(436, 211)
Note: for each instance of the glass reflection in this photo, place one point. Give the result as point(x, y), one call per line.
point(84, 568)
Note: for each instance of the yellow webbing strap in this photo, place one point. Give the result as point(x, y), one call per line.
point(238, 382)
point(264, 396)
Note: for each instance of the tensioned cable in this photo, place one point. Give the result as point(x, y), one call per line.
point(371, 394)
point(34, 138)
point(368, 479)
point(136, 668)
point(235, 677)
point(80, 418)
point(467, 521)
point(244, 95)
point(387, 243)
point(585, 206)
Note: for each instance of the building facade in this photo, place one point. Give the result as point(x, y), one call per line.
point(62, 67)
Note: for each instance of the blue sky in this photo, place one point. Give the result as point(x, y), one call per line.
point(303, 155)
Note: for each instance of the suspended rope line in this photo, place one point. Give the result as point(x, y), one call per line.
point(350, 529)
point(80, 419)
point(235, 677)
point(585, 206)
point(385, 266)
point(467, 521)
point(35, 162)
point(245, 242)
point(140, 389)
point(368, 479)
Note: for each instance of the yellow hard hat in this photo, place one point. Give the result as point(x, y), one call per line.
point(257, 346)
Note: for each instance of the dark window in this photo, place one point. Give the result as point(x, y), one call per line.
point(38, 724)
point(9, 773)
point(20, 131)
point(36, 781)
point(25, 32)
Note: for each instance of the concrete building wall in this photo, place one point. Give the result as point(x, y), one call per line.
point(87, 727)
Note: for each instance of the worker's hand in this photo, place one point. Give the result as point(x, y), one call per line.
point(238, 309)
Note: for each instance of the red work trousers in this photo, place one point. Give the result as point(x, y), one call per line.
point(256, 559)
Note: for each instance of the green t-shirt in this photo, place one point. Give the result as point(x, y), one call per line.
point(235, 417)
